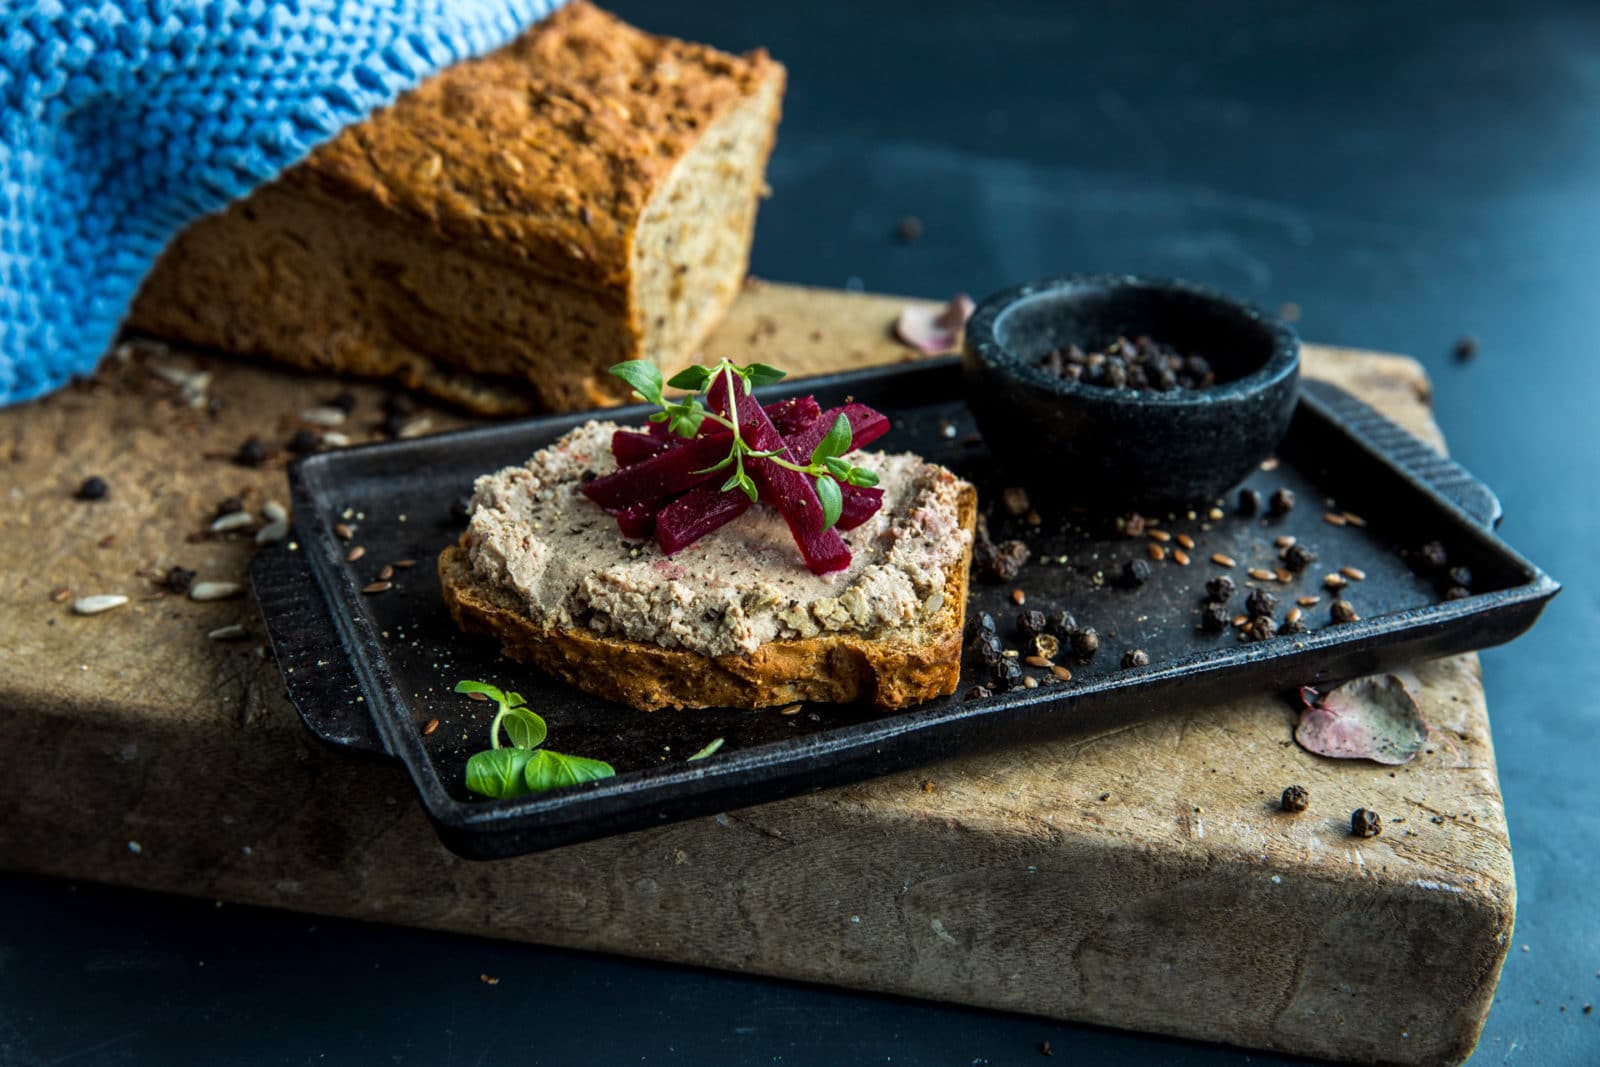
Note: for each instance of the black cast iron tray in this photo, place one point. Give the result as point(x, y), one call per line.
point(366, 672)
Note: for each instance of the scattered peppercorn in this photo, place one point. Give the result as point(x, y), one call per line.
point(92, 488)
point(1060, 624)
point(1214, 618)
point(989, 647)
point(251, 454)
point(399, 404)
point(1456, 592)
point(1007, 674)
point(1045, 645)
point(1344, 611)
point(1282, 502)
point(998, 563)
point(1260, 628)
point(461, 508)
point(1460, 576)
point(1138, 364)
point(1365, 823)
point(1030, 623)
point(1261, 602)
point(1298, 557)
point(1219, 589)
point(1135, 573)
point(982, 622)
point(1249, 502)
point(979, 692)
point(345, 402)
point(177, 580)
point(1296, 798)
point(1433, 557)
point(1295, 625)
point(304, 442)
point(1135, 657)
point(1085, 642)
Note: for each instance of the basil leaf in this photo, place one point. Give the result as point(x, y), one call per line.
point(759, 374)
point(481, 687)
point(862, 477)
point(693, 378)
point(832, 500)
point(644, 376)
point(526, 729)
point(836, 442)
point(708, 750)
point(552, 770)
point(499, 772)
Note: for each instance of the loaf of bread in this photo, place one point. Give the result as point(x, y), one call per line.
point(503, 233)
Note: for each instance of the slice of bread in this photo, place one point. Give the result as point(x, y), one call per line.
point(892, 670)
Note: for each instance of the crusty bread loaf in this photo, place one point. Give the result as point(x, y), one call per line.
point(503, 233)
point(901, 667)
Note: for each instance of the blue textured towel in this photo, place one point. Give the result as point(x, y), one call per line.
point(123, 120)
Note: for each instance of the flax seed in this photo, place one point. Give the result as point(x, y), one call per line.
point(1293, 615)
point(1307, 601)
point(404, 563)
point(1353, 519)
point(386, 573)
point(1185, 540)
point(355, 553)
point(60, 593)
point(1334, 581)
point(1333, 518)
point(1061, 673)
point(1158, 535)
point(1284, 541)
point(1284, 576)
point(477, 696)
point(1241, 621)
point(1037, 661)
point(1018, 596)
point(377, 587)
point(1222, 561)
point(1261, 574)
point(1155, 552)
point(792, 709)
point(343, 532)
point(429, 727)
point(1270, 463)
point(1030, 682)
point(1180, 557)
point(1355, 574)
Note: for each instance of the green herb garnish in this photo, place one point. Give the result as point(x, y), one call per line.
point(524, 767)
point(710, 749)
point(686, 415)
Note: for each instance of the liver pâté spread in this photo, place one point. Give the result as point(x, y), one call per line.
point(731, 591)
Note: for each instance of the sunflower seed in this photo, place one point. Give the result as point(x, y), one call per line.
point(94, 605)
point(214, 590)
point(324, 416)
point(336, 440)
point(233, 520)
point(273, 511)
point(273, 532)
point(228, 633)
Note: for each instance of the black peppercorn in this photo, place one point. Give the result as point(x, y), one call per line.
point(1260, 628)
point(1007, 674)
point(1261, 602)
point(1249, 502)
point(251, 454)
point(982, 622)
point(1135, 573)
point(1282, 502)
point(1060, 624)
point(1433, 557)
point(1456, 592)
point(177, 580)
point(304, 442)
point(1030, 623)
point(1214, 618)
point(999, 563)
point(93, 488)
point(1364, 823)
point(399, 404)
point(345, 402)
point(1298, 557)
point(1085, 642)
point(1219, 589)
point(979, 692)
point(1461, 576)
point(988, 647)
point(1343, 611)
point(461, 508)
point(1135, 657)
point(393, 425)
point(1296, 798)
point(1293, 626)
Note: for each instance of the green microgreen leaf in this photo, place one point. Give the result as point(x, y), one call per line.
point(757, 375)
point(832, 500)
point(733, 479)
point(836, 467)
point(551, 770)
point(693, 378)
point(862, 477)
point(469, 686)
point(710, 749)
point(836, 442)
point(660, 416)
point(747, 484)
point(643, 375)
point(722, 463)
point(499, 772)
point(526, 729)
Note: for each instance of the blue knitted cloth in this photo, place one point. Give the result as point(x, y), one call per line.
point(123, 120)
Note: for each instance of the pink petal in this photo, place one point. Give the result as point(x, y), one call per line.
point(1369, 718)
point(934, 331)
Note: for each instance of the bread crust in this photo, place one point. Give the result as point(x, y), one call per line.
point(889, 672)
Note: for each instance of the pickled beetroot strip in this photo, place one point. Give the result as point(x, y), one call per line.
point(634, 446)
point(866, 426)
point(696, 513)
point(630, 446)
point(792, 492)
point(638, 522)
point(663, 475)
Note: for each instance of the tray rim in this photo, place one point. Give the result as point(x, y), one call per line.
point(461, 822)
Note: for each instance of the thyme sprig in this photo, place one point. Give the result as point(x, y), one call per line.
point(685, 415)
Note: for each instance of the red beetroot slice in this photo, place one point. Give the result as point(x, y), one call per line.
point(696, 513)
point(663, 475)
point(633, 446)
point(791, 415)
point(860, 504)
point(637, 523)
point(866, 426)
point(630, 446)
point(792, 492)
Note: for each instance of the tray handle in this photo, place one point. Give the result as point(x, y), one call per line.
point(311, 660)
point(1418, 458)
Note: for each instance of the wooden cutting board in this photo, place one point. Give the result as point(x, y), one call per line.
point(1140, 877)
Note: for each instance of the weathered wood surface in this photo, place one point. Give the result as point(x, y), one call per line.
point(1136, 878)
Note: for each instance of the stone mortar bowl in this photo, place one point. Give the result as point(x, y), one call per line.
point(1094, 446)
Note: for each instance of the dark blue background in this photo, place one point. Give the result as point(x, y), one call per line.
point(1406, 173)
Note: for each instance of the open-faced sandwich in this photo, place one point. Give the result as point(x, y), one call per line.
point(729, 554)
